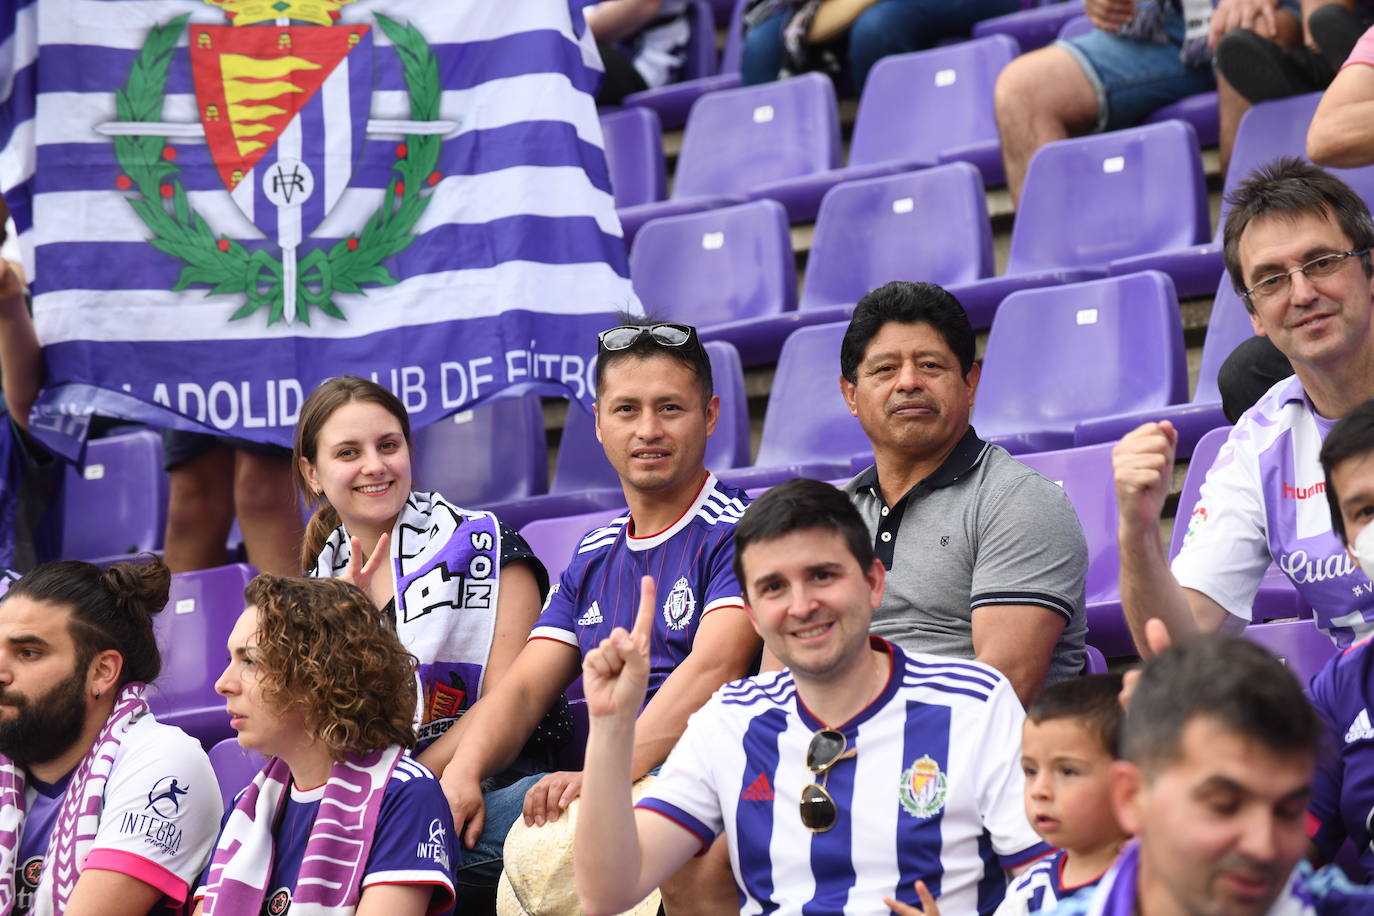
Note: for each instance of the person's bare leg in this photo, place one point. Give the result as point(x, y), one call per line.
point(704, 886)
point(1041, 96)
point(200, 510)
point(269, 513)
point(1231, 105)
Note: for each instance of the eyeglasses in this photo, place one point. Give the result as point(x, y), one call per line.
point(1320, 268)
point(827, 748)
point(624, 336)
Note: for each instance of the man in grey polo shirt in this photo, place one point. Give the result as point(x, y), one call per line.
point(985, 557)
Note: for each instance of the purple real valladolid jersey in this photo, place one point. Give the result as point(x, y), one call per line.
point(1265, 499)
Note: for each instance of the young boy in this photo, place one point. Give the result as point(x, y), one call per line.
point(1068, 744)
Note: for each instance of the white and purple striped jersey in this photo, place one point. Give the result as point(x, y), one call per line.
point(1307, 893)
point(690, 561)
point(933, 792)
point(1041, 887)
point(1264, 498)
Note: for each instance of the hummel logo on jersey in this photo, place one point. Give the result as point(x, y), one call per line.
point(759, 790)
point(1360, 729)
point(591, 617)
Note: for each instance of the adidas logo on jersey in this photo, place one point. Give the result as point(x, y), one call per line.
point(759, 790)
point(591, 617)
point(1360, 729)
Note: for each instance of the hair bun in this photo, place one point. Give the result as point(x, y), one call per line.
point(141, 587)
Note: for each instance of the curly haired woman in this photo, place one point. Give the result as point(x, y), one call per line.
point(339, 820)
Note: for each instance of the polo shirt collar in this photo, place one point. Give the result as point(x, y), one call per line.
point(965, 457)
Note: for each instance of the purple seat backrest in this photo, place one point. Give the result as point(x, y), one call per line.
point(916, 105)
point(191, 632)
point(879, 229)
point(1204, 453)
point(1086, 475)
point(734, 37)
point(737, 139)
point(1090, 200)
point(807, 420)
point(634, 155)
point(701, 47)
point(1078, 25)
point(235, 767)
point(716, 265)
point(1297, 643)
point(1279, 128)
point(1095, 662)
point(582, 463)
point(1227, 328)
point(554, 540)
point(1062, 354)
point(116, 502)
point(484, 455)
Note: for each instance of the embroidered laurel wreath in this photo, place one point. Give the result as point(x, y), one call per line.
point(225, 265)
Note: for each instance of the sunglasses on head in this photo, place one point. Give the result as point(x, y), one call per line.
point(827, 748)
point(667, 334)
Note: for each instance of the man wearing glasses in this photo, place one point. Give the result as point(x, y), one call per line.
point(840, 782)
point(654, 410)
point(1297, 243)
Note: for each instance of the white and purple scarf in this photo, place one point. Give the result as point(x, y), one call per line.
point(76, 824)
point(446, 565)
point(335, 861)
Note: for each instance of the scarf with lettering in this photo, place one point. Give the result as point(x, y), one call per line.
point(76, 823)
point(446, 563)
point(1147, 24)
point(331, 874)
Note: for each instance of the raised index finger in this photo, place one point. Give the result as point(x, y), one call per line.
point(644, 620)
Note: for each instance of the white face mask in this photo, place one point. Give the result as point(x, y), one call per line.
point(1363, 549)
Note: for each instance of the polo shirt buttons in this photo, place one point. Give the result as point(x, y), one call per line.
point(886, 536)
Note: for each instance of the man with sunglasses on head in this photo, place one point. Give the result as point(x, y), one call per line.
point(654, 410)
point(1296, 245)
point(840, 782)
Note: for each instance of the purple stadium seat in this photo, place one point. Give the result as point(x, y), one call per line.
point(1058, 356)
point(807, 429)
point(874, 230)
point(1032, 28)
point(701, 47)
point(674, 101)
point(191, 632)
point(747, 142)
point(917, 110)
point(1297, 643)
point(1267, 131)
point(1078, 25)
point(584, 480)
point(1092, 200)
point(235, 767)
point(115, 504)
point(1198, 110)
point(634, 155)
point(1095, 662)
point(1228, 326)
point(1277, 598)
point(717, 270)
point(1086, 476)
point(491, 453)
point(554, 540)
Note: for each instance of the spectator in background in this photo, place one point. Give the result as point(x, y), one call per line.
point(643, 44)
point(1219, 746)
point(103, 810)
point(985, 557)
point(1297, 246)
point(842, 784)
point(1342, 131)
point(1141, 55)
point(1261, 69)
point(847, 37)
point(340, 817)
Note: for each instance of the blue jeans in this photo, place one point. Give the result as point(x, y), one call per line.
point(886, 27)
point(481, 865)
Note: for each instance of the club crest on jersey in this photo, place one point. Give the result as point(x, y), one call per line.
point(680, 606)
point(279, 902)
point(923, 787)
